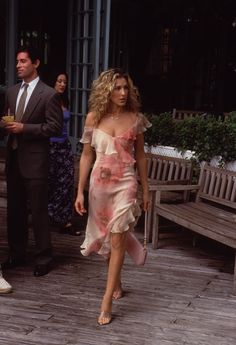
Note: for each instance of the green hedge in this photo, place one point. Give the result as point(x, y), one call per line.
point(206, 136)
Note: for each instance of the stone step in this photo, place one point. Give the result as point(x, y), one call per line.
point(3, 203)
point(3, 184)
point(2, 168)
point(3, 215)
point(3, 188)
point(3, 211)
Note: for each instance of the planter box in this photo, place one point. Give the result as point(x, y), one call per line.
point(173, 152)
point(169, 151)
point(231, 166)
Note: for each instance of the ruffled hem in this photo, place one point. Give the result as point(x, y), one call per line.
point(126, 221)
point(125, 218)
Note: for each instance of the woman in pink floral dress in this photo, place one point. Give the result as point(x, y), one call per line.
point(113, 139)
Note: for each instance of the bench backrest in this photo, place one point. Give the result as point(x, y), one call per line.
point(168, 169)
point(217, 185)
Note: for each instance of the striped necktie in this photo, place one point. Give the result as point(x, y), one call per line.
point(19, 114)
point(21, 104)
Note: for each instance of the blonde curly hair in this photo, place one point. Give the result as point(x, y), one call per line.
point(102, 87)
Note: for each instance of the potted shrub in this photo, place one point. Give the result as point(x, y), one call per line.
point(205, 137)
point(161, 131)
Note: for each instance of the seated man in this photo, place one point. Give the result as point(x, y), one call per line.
point(4, 286)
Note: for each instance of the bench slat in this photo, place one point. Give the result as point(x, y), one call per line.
point(212, 183)
point(202, 217)
point(222, 188)
point(211, 219)
point(233, 194)
point(198, 224)
point(221, 201)
point(213, 212)
point(217, 185)
point(224, 214)
point(165, 170)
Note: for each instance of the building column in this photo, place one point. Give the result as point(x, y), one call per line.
point(11, 41)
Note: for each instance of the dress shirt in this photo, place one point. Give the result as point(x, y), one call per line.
point(30, 89)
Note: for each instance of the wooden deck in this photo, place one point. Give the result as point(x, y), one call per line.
point(181, 296)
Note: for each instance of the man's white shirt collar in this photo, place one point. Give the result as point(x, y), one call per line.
point(31, 84)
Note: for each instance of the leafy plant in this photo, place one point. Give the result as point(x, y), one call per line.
point(232, 116)
point(207, 136)
point(228, 141)
point(161, 132)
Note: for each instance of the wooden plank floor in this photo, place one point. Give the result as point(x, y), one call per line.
point(181, 296)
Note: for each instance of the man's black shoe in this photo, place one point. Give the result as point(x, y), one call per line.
point(69, 229)
point(41, 269)
point(12, 262)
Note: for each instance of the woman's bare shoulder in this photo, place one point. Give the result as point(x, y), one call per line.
point(89, 122)
point(133, 116)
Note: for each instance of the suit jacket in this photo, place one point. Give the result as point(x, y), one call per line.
point(42, 119)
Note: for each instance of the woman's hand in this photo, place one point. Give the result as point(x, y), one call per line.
point(79, 204)
point(146, 201)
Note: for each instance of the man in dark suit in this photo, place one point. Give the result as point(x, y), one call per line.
point(38, 116)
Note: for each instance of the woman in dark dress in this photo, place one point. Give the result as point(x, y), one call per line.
point(61, 174)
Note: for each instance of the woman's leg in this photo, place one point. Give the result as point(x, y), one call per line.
point(118, 248)
point(118, 292)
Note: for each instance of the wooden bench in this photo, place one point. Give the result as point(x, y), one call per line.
point(165, 170)
point(211, 214)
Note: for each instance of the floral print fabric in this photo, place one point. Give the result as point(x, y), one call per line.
point(113, 205)
point(61, 183)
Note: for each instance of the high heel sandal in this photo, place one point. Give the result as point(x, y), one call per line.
point(104, 318)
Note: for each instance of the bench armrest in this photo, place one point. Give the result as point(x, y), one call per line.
point(154, 182)
point(173, 187)
point(183, 189)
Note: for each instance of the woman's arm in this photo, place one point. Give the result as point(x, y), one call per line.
point(86, 162)
point(141, 162)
